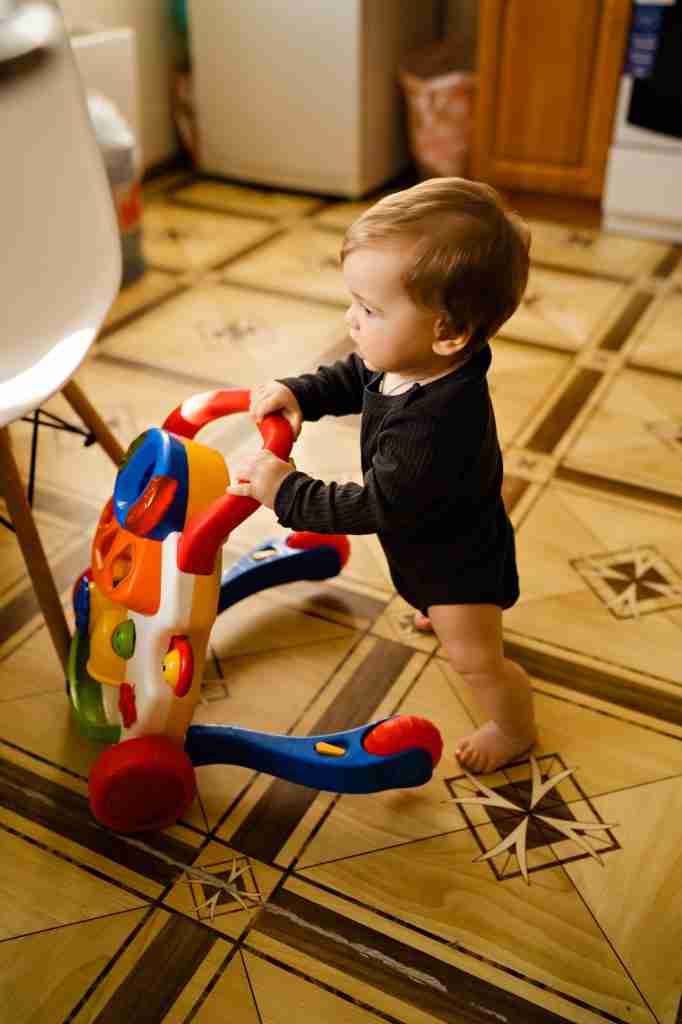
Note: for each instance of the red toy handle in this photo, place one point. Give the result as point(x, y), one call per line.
point(208, 531)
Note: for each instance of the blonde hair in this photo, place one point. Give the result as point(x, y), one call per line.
point(470, 257)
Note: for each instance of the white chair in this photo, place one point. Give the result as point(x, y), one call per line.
point(62, 264)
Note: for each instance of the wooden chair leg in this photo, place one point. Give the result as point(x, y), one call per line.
point(93, 421)
point(32, 549)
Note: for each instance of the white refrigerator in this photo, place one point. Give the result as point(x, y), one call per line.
point(305, 94)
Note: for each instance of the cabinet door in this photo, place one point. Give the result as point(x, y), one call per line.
point(547, 87)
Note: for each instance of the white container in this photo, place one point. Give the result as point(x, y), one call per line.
point(304, 95)
point(107, 62)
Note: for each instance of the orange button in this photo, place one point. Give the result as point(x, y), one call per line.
point(329, 749)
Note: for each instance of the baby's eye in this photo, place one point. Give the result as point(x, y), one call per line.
point(368, 311)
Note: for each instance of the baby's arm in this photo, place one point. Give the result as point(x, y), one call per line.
point(334, 390)
point(400, 491)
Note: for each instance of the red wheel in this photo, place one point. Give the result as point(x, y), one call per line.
point(144, 783)
point(404, 732)
point(306, 540)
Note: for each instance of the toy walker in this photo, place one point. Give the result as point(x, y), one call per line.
point(144, 613)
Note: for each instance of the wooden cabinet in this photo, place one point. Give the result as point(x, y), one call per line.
point(549, 72)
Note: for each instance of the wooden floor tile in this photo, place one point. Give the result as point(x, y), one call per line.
point(581, 556)
point(304, 262)
point(66, 961)
point(178, 239)
point(48, 892)
point(148, 290)
point(277, 989)
point(522, 380)
point(563, 310)
point(237, 337)
point(634, 434)
point(645, 926)
point(593, 252)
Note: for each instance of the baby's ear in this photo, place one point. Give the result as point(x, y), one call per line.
point(447, 342)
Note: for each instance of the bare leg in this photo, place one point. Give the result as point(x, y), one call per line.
point(471, 634)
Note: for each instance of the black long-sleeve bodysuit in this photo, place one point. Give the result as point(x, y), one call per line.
point(432, 471)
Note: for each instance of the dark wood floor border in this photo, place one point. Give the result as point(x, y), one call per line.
point(561, 415)
point(581, 272)
point(670, 502)
point(178, 377)
point(279, 293)
point(441, 990)
point(655, 371)
point(616, 335)
point(152, 178)
point(66, 813)
point(145, 307)
point(513, 489)
point(160, 974)
point(344, 600)
point(598, 683)
point(277, 814)
point(225, 211)
point(669, 262)
point(291, 220)
point(70, 507)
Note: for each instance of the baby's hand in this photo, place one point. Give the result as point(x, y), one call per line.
point(259, 476)
point(275, 397)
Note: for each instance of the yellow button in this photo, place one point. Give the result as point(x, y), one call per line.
point(171, 668)
point(330, 750)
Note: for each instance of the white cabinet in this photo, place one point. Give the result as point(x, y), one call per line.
point(304, 95)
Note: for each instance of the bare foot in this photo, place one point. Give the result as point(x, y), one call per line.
point(489, 748)
point(422, 623)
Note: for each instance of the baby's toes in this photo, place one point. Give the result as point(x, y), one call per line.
point(465, 754)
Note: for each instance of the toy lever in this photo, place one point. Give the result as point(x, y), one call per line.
point(300, 556)
point(337, 762)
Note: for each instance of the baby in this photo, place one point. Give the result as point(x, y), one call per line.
point(433, 272)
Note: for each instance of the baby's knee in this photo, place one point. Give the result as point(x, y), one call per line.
point(472, 662)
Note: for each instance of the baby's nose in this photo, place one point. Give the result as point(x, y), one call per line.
point(350, 319)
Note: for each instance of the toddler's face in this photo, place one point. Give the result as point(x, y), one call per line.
point(390, 332)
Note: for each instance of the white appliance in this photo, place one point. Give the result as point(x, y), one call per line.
point(304, 95)
point(643, 189)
